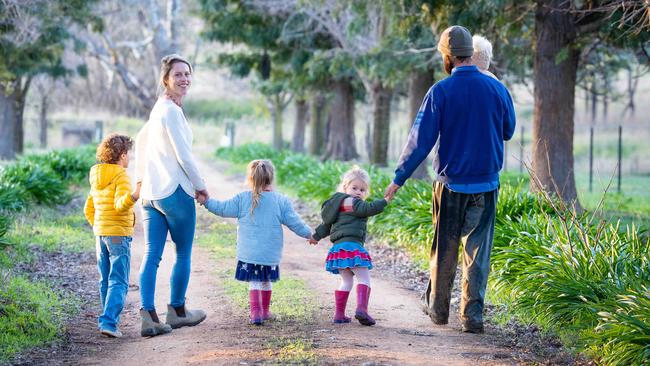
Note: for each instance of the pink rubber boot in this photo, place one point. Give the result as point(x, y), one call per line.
point(363, 294)
point(341, 298)
point(266, 304)
point(255, 298)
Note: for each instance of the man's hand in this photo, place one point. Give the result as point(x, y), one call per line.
point(391, 190)
point(202, 196)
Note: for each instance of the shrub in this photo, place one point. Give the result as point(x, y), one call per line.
point(13, 197)
point(623, 335)
point(44, 178)
point(72, 165)
point(43, 185)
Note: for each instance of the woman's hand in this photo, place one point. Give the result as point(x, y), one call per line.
point(202, 196)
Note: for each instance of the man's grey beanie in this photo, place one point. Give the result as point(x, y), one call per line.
point(456, 41)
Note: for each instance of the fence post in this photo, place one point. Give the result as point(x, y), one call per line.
point(99, 131)
point(591, 158)
point(620, 155)
point(521, 150)
point(231, 134)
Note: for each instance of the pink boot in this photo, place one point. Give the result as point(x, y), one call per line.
point(266, 304)
point(341, 298)
point(363, 294)
point(255, 298)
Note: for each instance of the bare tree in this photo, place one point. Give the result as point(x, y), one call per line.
point(136, 36)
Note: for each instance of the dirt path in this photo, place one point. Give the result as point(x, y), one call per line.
point(403, 334)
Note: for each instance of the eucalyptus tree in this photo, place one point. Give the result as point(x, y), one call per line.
point(33, 39)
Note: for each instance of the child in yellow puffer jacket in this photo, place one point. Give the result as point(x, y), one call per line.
point(109, 209)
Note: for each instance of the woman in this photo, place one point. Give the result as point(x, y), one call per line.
point(170, 181)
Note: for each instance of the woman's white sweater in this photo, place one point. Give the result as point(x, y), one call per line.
point(163, 153)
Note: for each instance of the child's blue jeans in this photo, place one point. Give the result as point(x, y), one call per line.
point(114, 264)
point(175, 214)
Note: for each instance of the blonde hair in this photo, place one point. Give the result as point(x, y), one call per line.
point(259, 175)
point(166, 64)
point(353, 174)
point(482, 52)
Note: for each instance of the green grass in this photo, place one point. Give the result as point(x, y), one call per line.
point(220, 237)
point(31, 314)
point(293, 351)
point(50, 231)
point(220, 110)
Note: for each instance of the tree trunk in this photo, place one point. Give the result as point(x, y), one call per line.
point(381, 100)
point(341, 141)
point(302, 111)
point(418, 87)
point(316, 113)
point(605, 95)
point(631, 89)
point(594, 102)
point(173, 24)
point(276, 109)
point(43, 120)
point(7, 124)
point(555, 67)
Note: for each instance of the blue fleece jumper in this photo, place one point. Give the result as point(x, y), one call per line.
point(259, 236)
point(472, 114)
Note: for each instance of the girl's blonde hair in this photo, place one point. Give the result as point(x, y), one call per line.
point(353, 174)
point(166, 64)
point(259, 175)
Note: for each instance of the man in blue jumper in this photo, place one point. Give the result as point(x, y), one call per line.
point(469, 115)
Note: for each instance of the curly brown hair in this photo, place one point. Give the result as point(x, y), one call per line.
point(112, 147)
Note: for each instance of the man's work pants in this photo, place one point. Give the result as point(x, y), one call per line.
point(467, 219)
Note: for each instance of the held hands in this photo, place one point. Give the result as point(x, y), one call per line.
point(391, 190)
point(312, 241)
point(136, 193)
point(202, 196)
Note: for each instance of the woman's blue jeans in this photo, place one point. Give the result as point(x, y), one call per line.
point(175, 214)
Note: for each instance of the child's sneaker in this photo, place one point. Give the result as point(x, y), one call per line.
point(111, 333)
